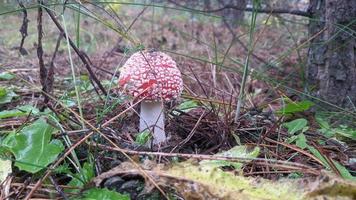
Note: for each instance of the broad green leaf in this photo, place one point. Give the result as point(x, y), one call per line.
point(237, 151)
point(295, 125)
point(5, 168)
point(6, 76)
point(104, 194)
point(292, 139)
point(343, 171)
point(32, 146)
point(6, 95)
point(19, 111)
point(326, 130)
point(322, 123)
point(188, 105)
point(340, 132)
point(83, 177)
point(317, 154)
point(143, 137)
point(295, 107)
point(301, 141)
point(346, 132)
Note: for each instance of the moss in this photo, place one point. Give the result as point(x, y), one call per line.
point(225, 185)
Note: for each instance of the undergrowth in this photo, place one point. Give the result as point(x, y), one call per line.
point(243, 109)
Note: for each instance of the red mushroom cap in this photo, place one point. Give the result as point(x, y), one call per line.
point(153, 75)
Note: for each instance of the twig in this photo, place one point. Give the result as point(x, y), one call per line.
point(43, 70)
point(328, 160)
point(50, 73)
point(259, 10)
point(58, 188)
point(46, 76)
point(296, 149)
point(80, 54)
point(261, 161)
point(202, 88)
point(23, 29)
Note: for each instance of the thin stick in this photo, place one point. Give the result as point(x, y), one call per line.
point(23, 29)
point(43, 70)
point(77, 51)
point(261, 161)
point(58, 188)
point(260, 10)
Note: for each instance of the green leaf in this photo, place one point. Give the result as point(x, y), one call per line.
point(2, 92)
point(32, 146)
point(327, 132)
point(19, 111)
point(186, 106)
point(301, 141)
point(343, 171)
point(346, 132)
point(6, 76)
point(317, 154)
point(237, 151)
point(295, 107)
point(295, 125)
point(104, 194)
point(83, 177)
point(143, 137)
point(292, 139)
point(62, 169)
point(322, 123)
point(6, 95)
point(325, 127)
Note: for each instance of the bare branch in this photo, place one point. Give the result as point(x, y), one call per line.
point(23, 29)
point(260, 10)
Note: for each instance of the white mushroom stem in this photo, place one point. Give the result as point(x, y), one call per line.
point(152, 118)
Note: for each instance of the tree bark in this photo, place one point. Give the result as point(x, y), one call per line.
point(331, 68)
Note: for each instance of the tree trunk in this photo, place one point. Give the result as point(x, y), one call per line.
point(331, 69)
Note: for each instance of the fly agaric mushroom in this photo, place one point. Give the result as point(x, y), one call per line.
point(154, 77)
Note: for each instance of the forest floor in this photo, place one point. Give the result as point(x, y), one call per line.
point(295, 138)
